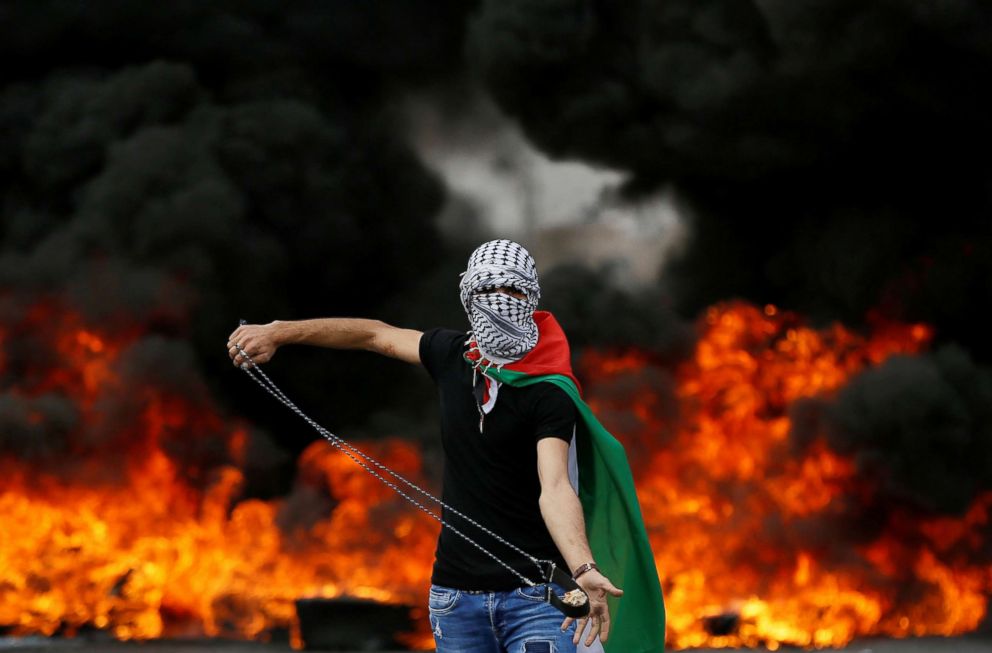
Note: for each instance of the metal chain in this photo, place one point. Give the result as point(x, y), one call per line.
point(361, 458)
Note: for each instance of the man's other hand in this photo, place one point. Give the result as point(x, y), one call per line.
point(597, 587)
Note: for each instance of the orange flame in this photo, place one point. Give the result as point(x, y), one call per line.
point(130, 542)
point(721, 490)
point(145, 553)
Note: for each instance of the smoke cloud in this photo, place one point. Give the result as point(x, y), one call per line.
point(918, 428)
point(173, 168)
point(832, 157)
point(804, 134)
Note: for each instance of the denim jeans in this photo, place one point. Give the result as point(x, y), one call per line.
point(515, 621)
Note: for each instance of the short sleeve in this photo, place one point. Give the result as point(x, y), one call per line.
point(439, 348)
point(555, 414)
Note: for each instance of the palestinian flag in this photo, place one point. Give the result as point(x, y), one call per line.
point(614, 526)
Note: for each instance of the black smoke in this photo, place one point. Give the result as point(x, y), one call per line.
point(177, 166)
point(833, 155)
point(833, 151)
point(173, 168)
point(918, 427)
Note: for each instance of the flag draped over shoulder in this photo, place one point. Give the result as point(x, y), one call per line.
point(614, 525)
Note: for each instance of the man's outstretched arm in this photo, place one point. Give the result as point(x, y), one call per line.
point(562, 513)
point(260, 341)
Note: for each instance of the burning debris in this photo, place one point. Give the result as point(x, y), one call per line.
point(722, 625)
point(758, 539)
point(134, 520)
point(753, 533)
point(352, 624)
point(918, 425)
point(803, 484)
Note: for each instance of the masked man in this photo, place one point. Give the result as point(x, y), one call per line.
point(524, 457)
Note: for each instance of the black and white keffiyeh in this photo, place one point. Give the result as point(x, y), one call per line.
point(502, 326)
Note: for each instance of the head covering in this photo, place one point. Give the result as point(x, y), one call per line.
point(503, 327)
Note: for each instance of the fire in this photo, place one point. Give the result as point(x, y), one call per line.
point(129, 541)
point(729, 506)
point(151, 558)
point(117, 532)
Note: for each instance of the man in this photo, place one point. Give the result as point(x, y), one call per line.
point(506, 442)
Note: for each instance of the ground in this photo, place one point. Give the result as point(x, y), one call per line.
point(42, 645)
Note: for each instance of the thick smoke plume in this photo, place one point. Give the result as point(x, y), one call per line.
point(920, 427)
point(833, 156)
point(833, 151)
point(171, 168)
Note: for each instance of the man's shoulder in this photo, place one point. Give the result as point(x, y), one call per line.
point(442, 338)
point(439, 347)
point(546, 392)
point(552, 410)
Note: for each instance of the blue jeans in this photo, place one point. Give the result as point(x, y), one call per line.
point(515, 621)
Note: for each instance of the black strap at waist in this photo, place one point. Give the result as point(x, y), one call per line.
point(554, 574)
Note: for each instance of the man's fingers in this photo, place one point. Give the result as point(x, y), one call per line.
point(249, 345)
point(249, 358)
point(580, 625)
point(609, 587)
point(234, 341)
point(565, 624)
point(242, 358)
point(245, 346)
point(596, 624)
point(594, 621)
point(605, 632)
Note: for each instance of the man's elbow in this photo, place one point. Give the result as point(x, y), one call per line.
point(376, 338)
point(546, 503)
point(394, 342)
point(552, 494)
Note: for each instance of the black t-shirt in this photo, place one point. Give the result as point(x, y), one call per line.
point(491, 476)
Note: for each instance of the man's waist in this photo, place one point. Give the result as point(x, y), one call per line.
point(485, 574)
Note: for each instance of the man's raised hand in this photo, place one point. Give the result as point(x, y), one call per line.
point(258, 341)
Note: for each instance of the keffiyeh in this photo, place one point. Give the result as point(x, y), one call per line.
point(503, 326)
